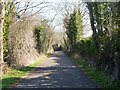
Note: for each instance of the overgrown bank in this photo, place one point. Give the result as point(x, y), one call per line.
point(26, 36)
point(28, 44)
point(105, 72)
point(103, 79)
point(101, 49)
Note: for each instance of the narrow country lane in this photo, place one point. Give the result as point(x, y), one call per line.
point(58, 71)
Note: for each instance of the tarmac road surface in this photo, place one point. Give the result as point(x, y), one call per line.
point(58, 71)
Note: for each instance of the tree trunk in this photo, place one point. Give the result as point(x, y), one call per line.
point(91, 18)
point(2, 12)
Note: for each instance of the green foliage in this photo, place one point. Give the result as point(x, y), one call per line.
point(74, 28)
point(5, 35)
point(87, 47)
point(9, 14)
point(79, 24)
point(38, 33)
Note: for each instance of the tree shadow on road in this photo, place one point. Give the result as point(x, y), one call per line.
point(63, 75)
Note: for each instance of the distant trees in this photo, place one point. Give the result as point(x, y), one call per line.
point(44, 35)
point(39, 35)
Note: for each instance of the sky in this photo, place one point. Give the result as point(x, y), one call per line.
point(58, 21)
point(53, 11)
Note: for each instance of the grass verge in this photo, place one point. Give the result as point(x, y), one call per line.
point(100, 77)
point(13, 75)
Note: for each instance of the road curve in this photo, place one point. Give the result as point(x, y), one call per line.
point(58, 71)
